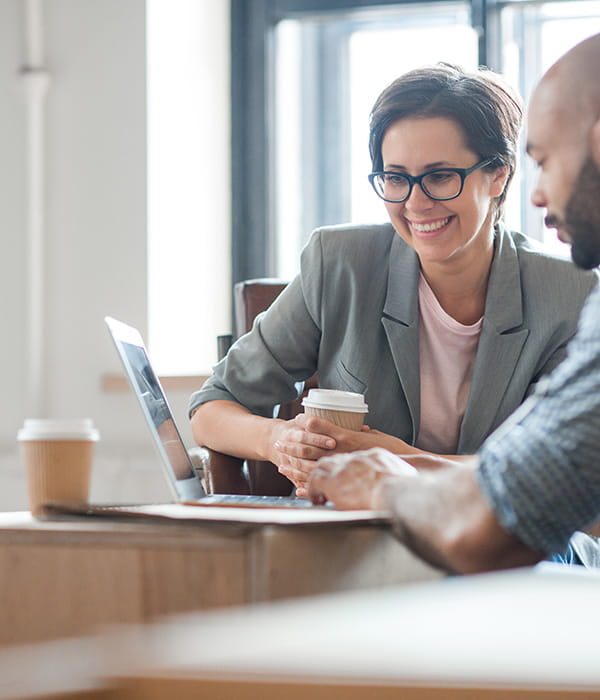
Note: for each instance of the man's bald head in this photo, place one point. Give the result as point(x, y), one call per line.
point(570, 89)
point(564, 139)
point(573, 79)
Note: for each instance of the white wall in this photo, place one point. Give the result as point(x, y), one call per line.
point(94, 232)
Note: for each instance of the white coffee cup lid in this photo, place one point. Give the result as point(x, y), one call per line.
point(335, 400)
point(58, 429)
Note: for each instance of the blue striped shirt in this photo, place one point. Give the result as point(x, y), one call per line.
point(540, 470)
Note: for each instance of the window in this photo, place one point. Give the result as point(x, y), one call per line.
point(189, 287)
point(374, 51)
point(329, 71)
point(533, 37)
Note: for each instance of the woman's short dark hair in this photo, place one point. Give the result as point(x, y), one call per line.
point(481, 103)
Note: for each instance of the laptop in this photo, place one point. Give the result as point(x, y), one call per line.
point(180, 473)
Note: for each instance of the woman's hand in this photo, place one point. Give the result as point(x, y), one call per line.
point(299, 442)
point(294, 451)
point(303, 440)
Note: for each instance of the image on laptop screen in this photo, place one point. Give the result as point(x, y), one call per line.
point(151, 397)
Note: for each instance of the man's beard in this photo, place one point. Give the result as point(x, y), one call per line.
point(582, 217)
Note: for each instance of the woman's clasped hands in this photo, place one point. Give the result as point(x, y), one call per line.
point(304, 439)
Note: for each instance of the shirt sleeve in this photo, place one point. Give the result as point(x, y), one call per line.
point(540, 471)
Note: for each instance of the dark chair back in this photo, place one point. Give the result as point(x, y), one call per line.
point(251, 298)
point(227, 474)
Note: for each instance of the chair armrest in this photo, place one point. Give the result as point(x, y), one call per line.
point(199, 459)
point(224, 473)
point(218, 472)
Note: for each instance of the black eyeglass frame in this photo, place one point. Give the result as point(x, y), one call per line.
point(414, 180)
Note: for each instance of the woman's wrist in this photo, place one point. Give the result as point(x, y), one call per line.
point(398, 446)
point(270, 428)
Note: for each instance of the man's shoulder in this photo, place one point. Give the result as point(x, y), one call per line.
point(589, 322)
point(538, 253)
point(537, 261)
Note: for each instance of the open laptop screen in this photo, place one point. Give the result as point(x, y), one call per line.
point(147, 388)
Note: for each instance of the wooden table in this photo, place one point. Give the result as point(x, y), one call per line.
point(62, 579)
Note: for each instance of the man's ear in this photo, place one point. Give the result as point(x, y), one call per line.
point(595, 142)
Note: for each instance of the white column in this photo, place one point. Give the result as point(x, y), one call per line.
point(35, 81)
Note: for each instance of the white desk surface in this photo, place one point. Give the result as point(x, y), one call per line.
point(531, 628)
point(525, 634)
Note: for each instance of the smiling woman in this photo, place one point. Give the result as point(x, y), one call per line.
point(450, 220)
point(443, 319)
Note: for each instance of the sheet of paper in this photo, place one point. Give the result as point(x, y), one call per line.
point(225, 514)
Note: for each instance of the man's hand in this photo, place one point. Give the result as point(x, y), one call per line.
point(441, 514)
point(356, 480)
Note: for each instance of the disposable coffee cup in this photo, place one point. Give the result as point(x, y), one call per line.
point(344, 408)
point(57, 455)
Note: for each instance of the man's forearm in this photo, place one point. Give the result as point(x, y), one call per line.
point(445, 518)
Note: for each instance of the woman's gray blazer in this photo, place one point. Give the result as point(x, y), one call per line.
point(352, 315)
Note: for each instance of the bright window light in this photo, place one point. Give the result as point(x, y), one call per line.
point(534, 36)
point(379, 45)
point(189, 221)
point(377, 57)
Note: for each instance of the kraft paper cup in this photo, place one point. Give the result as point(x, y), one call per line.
point(344, 408)
point(57, 455)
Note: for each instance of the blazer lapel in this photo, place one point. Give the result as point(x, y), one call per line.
point(400, 320)
point(500, 345)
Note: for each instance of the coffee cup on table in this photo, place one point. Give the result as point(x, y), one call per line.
point(57, 455)
point(344, 408)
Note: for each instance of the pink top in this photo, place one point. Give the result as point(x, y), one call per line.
point(447, 352)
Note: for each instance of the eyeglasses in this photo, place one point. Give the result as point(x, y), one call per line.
point(440, 184)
